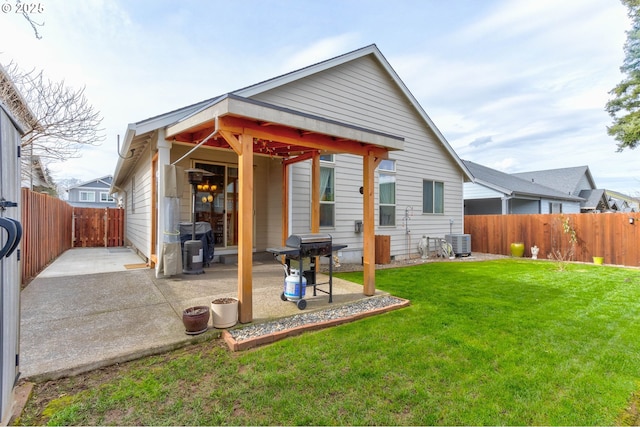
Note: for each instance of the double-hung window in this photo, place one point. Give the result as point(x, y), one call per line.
point(432, 197)
point(387, 187)
point(327, 191)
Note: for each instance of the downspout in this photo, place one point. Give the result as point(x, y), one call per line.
point(212, 134)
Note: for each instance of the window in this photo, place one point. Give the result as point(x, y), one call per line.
point(555, 207)
point(104, 197)
point(327, 197)
point(432, 197)
point(87, 196)
point(387, 187)
point(326, 158)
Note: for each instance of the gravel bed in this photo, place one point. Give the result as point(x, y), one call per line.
point(369, 304)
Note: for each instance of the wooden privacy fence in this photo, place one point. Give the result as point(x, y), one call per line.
point(95, 227)
point(46, 224)
point(614, 236)
point(51, 226)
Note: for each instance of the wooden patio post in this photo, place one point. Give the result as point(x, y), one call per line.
point(245, 229)
point(285, 202)
point(368, 251)
point(315, 193)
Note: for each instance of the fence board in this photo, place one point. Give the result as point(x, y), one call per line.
point(46, 224)
point(609, 235)
point(49, 230)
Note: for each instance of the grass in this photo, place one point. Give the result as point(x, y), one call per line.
point(501, 342)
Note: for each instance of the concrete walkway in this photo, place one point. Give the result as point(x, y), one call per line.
point(92, 307)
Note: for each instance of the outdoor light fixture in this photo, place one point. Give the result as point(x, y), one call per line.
point(631, 220)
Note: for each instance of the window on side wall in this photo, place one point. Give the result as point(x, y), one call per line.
point(104, 197)
point(327, 196)
point(432, 197)
point(87, 196)
point(555, 207)
point(387, 191)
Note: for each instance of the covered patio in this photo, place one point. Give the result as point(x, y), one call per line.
point(253, 128)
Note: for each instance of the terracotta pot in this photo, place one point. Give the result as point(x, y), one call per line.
point(196, 319)
point(225, 312)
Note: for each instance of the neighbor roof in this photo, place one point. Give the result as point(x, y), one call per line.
point(513, 185)
point(565, 180)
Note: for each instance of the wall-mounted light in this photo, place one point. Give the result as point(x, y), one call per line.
point(631, 220)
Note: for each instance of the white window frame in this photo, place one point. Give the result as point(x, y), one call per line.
point(105, 197)
point(87, 196)
point(387, 171)
point(434, 202)
point(327, 165)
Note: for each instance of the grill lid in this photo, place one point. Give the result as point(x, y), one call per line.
point(300, 240)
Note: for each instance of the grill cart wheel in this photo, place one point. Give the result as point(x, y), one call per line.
point(282, 297)
point(302, 304)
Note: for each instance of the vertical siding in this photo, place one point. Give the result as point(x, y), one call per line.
point(10, 273)
point(361, 93)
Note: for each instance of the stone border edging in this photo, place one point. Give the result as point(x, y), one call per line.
point(277, 336)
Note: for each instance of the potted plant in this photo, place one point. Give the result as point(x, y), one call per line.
point(225, 312)
point(196, 319)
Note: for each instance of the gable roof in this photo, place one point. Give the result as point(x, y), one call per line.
point(105, 180)
point(594, 199)
point(514, 185)
point(565, 180)
point(243, 95)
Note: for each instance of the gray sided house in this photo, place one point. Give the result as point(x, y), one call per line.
point(92, 194)
point(15, 120)
point(494, 192)
point(339, 147)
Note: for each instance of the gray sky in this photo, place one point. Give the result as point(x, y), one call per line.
point(515, 85)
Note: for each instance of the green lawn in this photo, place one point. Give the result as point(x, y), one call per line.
point(513, 342)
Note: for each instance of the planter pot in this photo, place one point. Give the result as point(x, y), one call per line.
point(517, 249)
point(196, 319)
point(225, 312)
point(598, 260)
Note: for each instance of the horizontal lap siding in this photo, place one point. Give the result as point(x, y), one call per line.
point(360, 93)
point(138, 223)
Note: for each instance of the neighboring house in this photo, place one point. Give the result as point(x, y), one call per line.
point(495, 192)
point(36, 178)
point(621, 202)
point(92, 194)
point(576, 181)
point(16, 119)
point(340, 147)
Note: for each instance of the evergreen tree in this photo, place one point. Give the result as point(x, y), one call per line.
point(624, 107)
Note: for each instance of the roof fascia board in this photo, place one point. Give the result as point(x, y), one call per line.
point(128, 138)
point(492, 186)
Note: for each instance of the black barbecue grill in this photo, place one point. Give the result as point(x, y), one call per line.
point(311, 245)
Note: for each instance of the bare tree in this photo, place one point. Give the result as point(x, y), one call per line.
point(66, 120)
